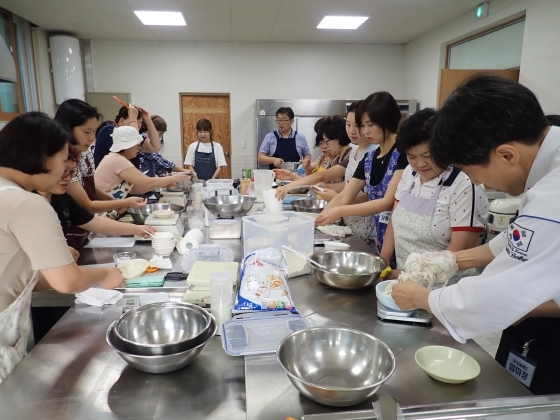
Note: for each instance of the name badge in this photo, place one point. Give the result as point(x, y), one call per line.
point(384, 217)
point(521, 368)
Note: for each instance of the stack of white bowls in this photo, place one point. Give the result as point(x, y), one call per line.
point(163, 243)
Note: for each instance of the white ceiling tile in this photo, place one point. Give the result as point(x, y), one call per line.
point(251, 28)
point(260, 7)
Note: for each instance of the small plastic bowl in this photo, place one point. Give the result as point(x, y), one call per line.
point(388, 301)
point(123, 256)
point(447, 364)
point(163, 214)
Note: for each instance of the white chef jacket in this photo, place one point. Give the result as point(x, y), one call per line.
point(526, 270)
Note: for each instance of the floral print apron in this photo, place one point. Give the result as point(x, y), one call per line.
point(15, 325)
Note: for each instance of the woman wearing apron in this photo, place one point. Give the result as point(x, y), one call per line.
point(205, 156)
point(436, 208)
point(381, 170)
point(27, 224)
point(80, 119)
point(118, 176)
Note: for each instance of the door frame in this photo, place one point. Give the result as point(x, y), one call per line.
point(183, 150)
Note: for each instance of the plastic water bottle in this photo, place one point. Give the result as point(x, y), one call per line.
point(300, 171)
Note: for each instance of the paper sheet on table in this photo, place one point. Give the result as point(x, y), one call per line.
point(111, 243)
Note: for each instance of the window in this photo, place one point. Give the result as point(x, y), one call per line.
point(11, 98)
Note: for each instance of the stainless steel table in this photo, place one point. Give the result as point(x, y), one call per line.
point(73, 374)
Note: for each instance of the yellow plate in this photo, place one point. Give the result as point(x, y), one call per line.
point(447, 364)
point(133, 268)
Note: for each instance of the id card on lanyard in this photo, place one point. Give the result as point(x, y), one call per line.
point(384, 217)
point(520, 366)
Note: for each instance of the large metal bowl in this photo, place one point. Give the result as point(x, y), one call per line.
point(336, 366)
point(140, 215)
point(162, 328)
point(229, 205)
point(348, 269)
point(159, 364)
point(309, 205)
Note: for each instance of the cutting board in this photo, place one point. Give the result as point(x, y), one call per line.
point(201, 270)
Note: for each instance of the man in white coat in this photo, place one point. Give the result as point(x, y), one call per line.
point(495, 130)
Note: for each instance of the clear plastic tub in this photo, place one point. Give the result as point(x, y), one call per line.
point(211, 253)
point(221, 183)
point(225, 228)
point(258, 333)
point(288, 228)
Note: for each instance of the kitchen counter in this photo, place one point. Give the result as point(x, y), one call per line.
point(72, 373)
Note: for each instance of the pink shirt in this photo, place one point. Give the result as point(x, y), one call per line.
point(107, 173)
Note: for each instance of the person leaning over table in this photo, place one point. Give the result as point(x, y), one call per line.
point(284, 144)
point(436, 208)
point(380, 171)
point(80, 119)
point(71, 214)
point(495, 130)
point(34, 256)
point(118, 176)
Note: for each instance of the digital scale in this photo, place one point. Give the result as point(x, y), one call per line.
point(169, 197)
point(416, 316)
point(198, 281)
point(172, 224)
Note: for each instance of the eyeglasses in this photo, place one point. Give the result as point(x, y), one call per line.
point(68, 174)
point(323, 143)
point(282, 121)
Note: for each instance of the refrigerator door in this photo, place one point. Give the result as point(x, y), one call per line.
point(306, 126)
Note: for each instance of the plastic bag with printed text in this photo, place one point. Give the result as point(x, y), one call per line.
point(263, 285)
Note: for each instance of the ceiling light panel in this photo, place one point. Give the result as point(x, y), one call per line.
point(342, 22)
point(161, 18)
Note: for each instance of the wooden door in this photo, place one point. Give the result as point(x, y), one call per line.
point(451, 78)
point(215, 108)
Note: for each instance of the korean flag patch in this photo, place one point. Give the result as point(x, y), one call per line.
point(519, 237)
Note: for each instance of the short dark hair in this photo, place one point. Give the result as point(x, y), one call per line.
point(74, 154)
point(318, 131)
point(73, 113)
point(483, 113)
point(285, 110)
point(382, 110)
point(553, 119)
point(353, 107)
point(123, 113)
point(204, 125)
point(29, 140)
point(416, 130)
point(101, 126)
point(334, 128)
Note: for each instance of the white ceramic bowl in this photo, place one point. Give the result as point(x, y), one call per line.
point(446, 364)
point(162, 236)
point(164, 250)
point(163, 214)
point(388, 301)
point(133, 268)
point(336, 246)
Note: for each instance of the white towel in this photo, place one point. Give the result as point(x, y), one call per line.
point(161, 262)
point(95, 296)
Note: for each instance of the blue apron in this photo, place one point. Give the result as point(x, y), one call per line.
point(285, 149)
point(205, 163)
point(375, 192)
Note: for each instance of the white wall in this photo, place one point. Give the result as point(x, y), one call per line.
point(155, 73)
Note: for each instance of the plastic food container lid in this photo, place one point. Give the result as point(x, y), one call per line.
point(212, 253)
point(259, 333)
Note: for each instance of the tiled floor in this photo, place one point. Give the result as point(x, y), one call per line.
point(489, 342)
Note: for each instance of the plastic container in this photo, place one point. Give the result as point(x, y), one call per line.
point(121, 257)
point(258, 333)
point(289, 228)
point(225, 228)
point(197, 193)
point(221, 296)
point(221, 183)
point(211, 253)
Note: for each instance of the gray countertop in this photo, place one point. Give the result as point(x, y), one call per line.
point(72, 373)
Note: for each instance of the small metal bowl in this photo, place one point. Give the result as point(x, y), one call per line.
point(348, 269)
point(229, 205)
point(182, 186)
point(162, 328)
point(309, 205)
point(140, 215)
point(336, 366)
point(162, 363)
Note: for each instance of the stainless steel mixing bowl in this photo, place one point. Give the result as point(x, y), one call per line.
point(182, 186)
point(336, 366)
point(159, 364)
point(348, 269)
point(140, 215)
point(309, 205)
point(162, 328)
point(229, 205)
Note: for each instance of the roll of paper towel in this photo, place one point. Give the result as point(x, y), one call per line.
point(192, 239)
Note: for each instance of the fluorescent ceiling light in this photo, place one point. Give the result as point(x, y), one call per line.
point(342, 22)
point(161, 18)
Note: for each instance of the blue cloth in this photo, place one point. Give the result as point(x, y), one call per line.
point(162, 165)
point(268, 145)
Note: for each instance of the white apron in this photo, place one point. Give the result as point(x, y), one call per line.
point(15, 325)
point(412, 222)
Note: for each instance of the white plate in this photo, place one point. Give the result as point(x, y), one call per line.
point(336, 246)
point(133, 268)
point(447, 364)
